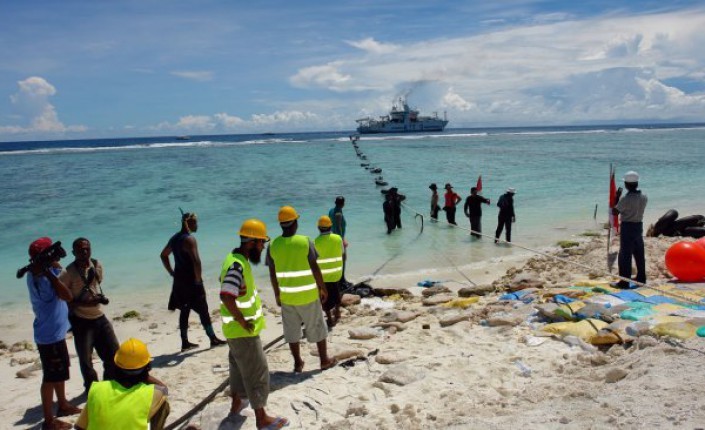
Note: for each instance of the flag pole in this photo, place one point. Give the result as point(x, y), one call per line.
point(609, 220)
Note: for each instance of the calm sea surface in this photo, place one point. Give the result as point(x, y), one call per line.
point(124, 194)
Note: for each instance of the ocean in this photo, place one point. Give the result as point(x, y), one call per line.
point(125, 194)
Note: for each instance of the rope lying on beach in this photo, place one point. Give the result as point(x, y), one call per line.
point(193, 411)
point(574, 263)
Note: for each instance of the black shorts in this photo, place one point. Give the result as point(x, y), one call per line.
point(55, 361)
point(333, 295)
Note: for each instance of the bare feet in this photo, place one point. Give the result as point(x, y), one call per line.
point(272, 423)
point(67, 409)
point(299, 367)
point(328, 363)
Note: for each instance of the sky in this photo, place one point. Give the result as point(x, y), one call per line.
point(74, 69)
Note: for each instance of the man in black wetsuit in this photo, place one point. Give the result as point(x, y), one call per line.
point(392, 209)
point(506, 215)
point(473, 210)
point(187, 290)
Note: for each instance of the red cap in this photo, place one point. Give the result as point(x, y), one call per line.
point(38, 246)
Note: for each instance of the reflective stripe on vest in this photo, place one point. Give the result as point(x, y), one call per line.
point(110, 405)
point(330, 256)
point(250, 305)
point(297, 285)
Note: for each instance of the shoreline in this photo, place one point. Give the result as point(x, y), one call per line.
point(467, 371)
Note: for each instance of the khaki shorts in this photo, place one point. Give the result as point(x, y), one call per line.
point(310, 315)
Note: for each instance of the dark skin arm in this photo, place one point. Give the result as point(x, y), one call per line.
point(165, 259)
point(457, 200)
point(273, 278)
point(318, 276)
point(59, 287)
point(229, 302)
point(466, 208)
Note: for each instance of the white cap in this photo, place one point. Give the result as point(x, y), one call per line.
point(511, 190)
point(631, 177)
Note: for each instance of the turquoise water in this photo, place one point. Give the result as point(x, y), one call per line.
point(125, 198)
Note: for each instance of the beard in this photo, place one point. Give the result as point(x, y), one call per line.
point(255, 256)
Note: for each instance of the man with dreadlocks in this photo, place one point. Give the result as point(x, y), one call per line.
point(187, 290)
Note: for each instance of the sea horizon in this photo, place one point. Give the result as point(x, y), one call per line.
point(608, 125)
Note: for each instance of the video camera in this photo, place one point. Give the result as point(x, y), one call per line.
point(53, 253)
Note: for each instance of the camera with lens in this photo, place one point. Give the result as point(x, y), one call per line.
point(44, 259)
point(102, 299)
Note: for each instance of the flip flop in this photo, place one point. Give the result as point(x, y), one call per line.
point(278, 423)
point(56, 425)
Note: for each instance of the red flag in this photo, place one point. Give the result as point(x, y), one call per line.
point(614, 219)
point(479, 183)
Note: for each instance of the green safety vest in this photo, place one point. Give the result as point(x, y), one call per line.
point(330, 256)
point(297, 286)
point(250, 304)
point(112, 406)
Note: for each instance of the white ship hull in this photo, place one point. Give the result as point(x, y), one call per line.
point(401, 119)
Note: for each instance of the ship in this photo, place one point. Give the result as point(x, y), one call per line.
point(401, 119)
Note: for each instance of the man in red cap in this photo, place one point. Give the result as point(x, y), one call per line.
point(49, 296)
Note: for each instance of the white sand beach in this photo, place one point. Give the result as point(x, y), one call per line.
point(425, 366)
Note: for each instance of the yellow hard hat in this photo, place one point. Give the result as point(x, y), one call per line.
point(132, 355)
point(254, 229)
point(325, 222)
point(287, 213)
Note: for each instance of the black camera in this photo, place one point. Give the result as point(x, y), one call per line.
point(53, 253)
point(102, 299)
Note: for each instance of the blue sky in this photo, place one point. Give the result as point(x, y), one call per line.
point(85, 69)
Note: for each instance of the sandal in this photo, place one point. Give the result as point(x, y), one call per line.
point(56, 424)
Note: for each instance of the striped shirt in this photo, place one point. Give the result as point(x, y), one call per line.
point(233, 282)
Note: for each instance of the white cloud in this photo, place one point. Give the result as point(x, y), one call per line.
point(32, 105)
point(223, 122)
point(194, 75)
point(562, 70)
point(453, 100)
point(196, 122)
point(372, 46)
point(326, 76)
point(228, 121)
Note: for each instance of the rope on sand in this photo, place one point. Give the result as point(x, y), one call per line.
point(574, 263)
point(193, 411)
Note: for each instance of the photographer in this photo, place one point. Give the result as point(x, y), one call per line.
point(49, 296)
point(91, 328)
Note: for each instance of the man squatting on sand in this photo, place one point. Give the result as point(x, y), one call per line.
point(187, 289)
point(134, 400)
point(91, 328)
point(243, 320)
point(298, 283)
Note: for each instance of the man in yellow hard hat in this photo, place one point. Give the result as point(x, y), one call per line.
point(298, 288)
point(243, 320)
point(134, 400)
point(331, 259)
